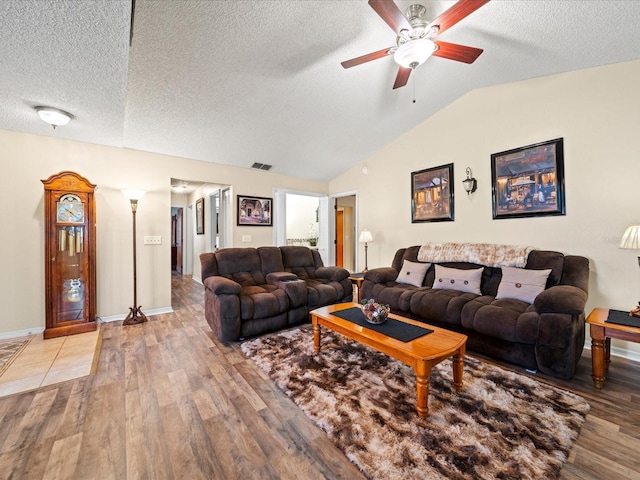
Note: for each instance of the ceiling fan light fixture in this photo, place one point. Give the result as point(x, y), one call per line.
point(53, 116)
point(414, 52)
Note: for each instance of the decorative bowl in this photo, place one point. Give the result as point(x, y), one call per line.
point(375, 312)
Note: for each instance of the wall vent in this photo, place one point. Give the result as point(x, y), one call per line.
point(261, 166)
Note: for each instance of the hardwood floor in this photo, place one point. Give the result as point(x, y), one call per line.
point(170, 401)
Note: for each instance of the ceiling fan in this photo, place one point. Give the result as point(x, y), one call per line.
point(415, 36)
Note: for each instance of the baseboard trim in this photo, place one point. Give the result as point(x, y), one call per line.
point(148, 313)
point(620, 352)
point(21, 333)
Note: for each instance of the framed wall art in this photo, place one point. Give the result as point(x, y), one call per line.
point(256, 211)
point(528, 181)
point(200, 216)
point(432, 194)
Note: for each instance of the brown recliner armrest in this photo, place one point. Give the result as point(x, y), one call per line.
point(561, 299)
point(381, 275)
point(222, 286)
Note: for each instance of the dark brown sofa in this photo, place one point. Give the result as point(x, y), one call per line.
point(250, 291)
point(545, 335)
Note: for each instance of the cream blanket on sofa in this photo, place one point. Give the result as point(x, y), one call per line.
point(488, 254)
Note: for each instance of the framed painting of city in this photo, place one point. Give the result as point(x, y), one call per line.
point(432, 194)
point(528, 181)
point(256, 211)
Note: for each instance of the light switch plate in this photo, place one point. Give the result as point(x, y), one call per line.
point(152, 240)
point(246, 238)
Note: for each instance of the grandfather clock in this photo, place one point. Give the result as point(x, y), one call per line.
point(70, 254)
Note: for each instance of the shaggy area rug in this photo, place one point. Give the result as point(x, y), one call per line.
point(500, 425)
point(9, 350)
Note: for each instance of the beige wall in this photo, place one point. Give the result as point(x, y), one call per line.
point(597, 111)
point(26, 159)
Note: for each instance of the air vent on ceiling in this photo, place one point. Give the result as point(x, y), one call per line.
point(261, 166)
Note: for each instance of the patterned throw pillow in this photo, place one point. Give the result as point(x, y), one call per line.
point(457, 279)
point(522, 284)
point(413, 273)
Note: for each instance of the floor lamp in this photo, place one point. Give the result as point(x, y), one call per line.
point(135, 315)
point(365, 237)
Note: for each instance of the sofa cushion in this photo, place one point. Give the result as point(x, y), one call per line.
point(543, 259)
point(457, 279)
point(242, 265)
point(262, 301)
point(299, 260)
point(439, 305)
point(413, 273)
point(396, 295)
point(522, 284)
point(510, 320)
point(324, 292)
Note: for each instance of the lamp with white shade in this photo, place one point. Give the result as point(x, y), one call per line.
point(135, 315)
point(631, 240)
point(366, 238)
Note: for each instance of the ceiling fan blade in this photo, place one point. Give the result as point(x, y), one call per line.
point(366, 58)
point(402, 78)
point(459, 53)
point(391, 14)
point(456, 13)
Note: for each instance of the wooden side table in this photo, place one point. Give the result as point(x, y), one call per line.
point(601, 335)
point(357, 279)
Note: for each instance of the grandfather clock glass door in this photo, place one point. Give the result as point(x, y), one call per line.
point(70, 255)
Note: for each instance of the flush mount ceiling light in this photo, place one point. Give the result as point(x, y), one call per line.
point(54, 116)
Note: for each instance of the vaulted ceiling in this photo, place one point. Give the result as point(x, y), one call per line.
point(238, 82)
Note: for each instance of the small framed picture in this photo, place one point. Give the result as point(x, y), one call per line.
point(256, 211)
point(528, 181)
point(432, 194)
point(200, 216)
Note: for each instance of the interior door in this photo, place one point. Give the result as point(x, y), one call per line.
point(179, 241)
point(340, 238)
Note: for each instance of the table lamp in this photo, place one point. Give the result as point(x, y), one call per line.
point(631, 240)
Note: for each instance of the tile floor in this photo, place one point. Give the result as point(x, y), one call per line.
point(45, 362)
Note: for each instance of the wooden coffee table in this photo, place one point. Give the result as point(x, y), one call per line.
point(601, 335)
point(422, 354)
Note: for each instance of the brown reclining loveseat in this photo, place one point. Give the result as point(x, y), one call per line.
point(250, 291)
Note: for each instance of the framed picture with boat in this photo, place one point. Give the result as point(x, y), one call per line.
point(528, 181)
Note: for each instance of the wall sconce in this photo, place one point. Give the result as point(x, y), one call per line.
point(365, 237)
point(135, 315)
point(470, 184)
point(631, 240)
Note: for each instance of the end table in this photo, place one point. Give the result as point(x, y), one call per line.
point(357, 279)
point(601, 335)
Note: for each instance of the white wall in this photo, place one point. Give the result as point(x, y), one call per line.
point(26, 159)
point(597, 111)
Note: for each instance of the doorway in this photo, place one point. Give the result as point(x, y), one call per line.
point(302, 220)
point(346, 232)
point(176, 239)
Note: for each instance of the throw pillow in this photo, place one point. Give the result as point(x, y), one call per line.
point(522, 284)
point(457, 279)
point(413, 273)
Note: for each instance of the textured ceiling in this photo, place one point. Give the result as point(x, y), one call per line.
point(238, 82)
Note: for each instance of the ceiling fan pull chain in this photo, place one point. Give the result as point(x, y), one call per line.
point(414, 89)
